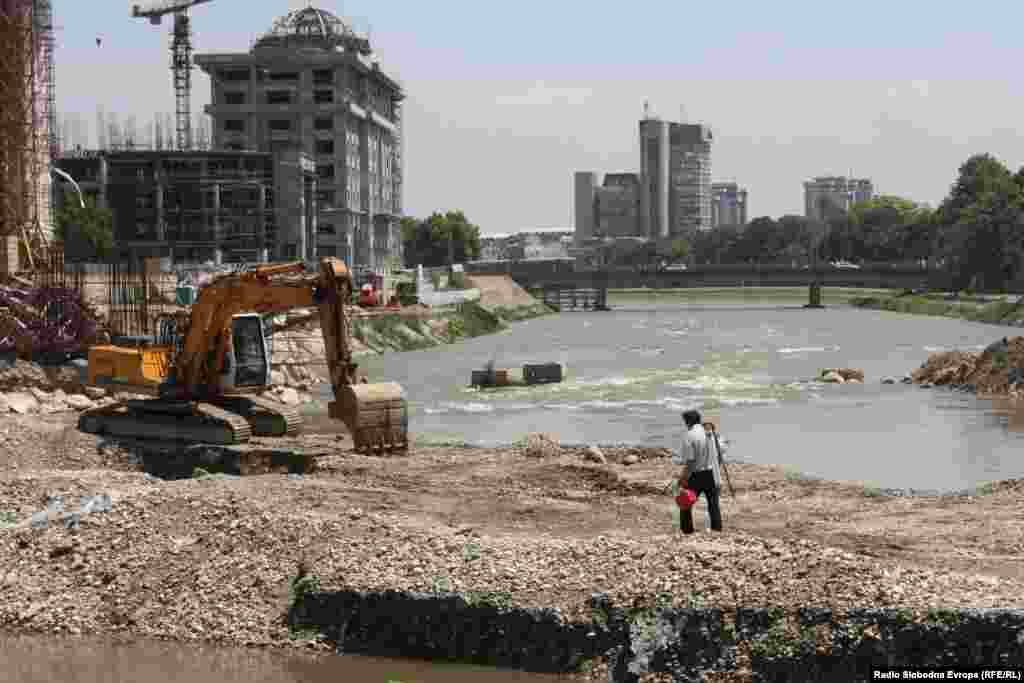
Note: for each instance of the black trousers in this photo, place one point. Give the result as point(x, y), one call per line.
point(702, 482)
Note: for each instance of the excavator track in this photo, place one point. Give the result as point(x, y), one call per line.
point(266, 417)
point(167, 420)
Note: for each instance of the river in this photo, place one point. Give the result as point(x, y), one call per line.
point(25, 659)
point(632, 370)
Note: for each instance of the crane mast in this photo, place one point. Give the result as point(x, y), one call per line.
point(181, 59)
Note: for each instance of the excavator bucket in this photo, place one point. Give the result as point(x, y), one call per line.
point(376, 415)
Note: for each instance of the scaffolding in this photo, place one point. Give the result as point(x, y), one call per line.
point(26, 40)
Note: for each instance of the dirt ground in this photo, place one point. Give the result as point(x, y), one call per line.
point(210, 559)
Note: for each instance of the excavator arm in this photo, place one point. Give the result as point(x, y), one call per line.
point(263, 290)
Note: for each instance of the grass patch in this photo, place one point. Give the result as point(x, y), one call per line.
point(8, 519)
point(873, 492)
point(301, 585)
point(796, 475)
point(830, 295)
point(965, 308)
point(945, 617)
point(986, 489)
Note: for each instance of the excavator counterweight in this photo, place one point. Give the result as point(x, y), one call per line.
point(206, 369)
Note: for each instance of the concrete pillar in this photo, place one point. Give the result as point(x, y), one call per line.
point(261, 223)
point(313, 219)
point(158, 201)
point(215, 223)
point(585, 187)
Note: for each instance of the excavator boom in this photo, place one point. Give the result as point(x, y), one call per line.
point(204, 377)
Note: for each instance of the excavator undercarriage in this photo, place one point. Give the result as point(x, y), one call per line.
point(206, 369)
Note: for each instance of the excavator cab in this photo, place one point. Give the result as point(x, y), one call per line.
point(248, 357)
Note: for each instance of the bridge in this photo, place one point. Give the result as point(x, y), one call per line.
point(557, 275)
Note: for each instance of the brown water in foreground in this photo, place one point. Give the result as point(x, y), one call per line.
point(26, 659)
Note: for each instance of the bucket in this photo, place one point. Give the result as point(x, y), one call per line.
point(686, 499)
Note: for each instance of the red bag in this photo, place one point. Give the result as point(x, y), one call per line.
point(686, 499)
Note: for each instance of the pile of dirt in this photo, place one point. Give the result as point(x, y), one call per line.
point(500, 291)
point(24, 375)
point(996, 371)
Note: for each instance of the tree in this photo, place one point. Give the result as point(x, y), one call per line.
point(982, 226)
point(680, 249)
point(86, 232)
point(427, 242)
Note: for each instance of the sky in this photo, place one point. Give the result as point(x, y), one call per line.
point(506, 100)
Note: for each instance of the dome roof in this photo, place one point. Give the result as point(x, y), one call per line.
point(313, 27)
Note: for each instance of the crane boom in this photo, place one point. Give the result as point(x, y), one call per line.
point(155, 10)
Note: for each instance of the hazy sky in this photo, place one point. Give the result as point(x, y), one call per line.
point(506, 100)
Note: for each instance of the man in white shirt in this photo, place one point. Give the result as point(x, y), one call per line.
point(701, 457)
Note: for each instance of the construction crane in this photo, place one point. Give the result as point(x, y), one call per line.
point(181, 58)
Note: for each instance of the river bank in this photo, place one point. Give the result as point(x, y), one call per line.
point(994, 310)
point(710, 295)
point(216, 558)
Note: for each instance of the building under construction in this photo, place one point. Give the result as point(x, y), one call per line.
point(201, 206)
point(313, 83)
point(28, 139)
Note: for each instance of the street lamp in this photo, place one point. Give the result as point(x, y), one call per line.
point(65, 176)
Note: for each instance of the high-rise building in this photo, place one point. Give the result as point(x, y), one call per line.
point(728, 204)
point(313, 83)
point(675, 172)
point(584, 197)
point(826, 196)
point(611, 209)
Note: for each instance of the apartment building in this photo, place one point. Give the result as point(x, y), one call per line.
point(313, 84)
point(728, 204)
point(829, 195)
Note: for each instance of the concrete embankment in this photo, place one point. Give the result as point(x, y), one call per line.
point(687, 643)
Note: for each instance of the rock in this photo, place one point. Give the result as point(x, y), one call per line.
point(5, 406)
point(594, 454)
point(289, 397)
point(79, 402)
point(997, 346)
point(631, 459)
point(926, 385)
point(277, 378)
point(833, 378)
point(59, 395)
point(854, 380)
point(907, 379)
point(542, 446)
point(846, 373)
point(22, 403)
point(40, 395)
point(888, 380)
point(95, 393)
point(100, 503)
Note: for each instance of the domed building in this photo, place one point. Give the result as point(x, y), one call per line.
point(311, 85)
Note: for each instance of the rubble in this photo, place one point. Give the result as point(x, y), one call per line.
point(998, 371)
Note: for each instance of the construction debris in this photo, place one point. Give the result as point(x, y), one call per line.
point(36, 321)
point(995, 372)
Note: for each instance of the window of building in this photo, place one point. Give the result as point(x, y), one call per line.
point(325, 171)
point(234, 75)
point(279, 97)
point(324, 123)
point(323, 76)
point(289, 251)
point(325, 250)
point(235, 146)
point(234, 98)
point(283, 76)
point(144, 201)
point(234, 125)
point(279, 124)
point(323, 96)
point(325, 146)
point(325, 198)
point(325, 228)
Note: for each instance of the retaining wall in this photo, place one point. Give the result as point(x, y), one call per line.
point(687, 643)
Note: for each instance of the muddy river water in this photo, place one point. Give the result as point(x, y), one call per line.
point(632, 370)
point(72, 660)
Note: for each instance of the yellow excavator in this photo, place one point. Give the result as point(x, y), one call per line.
point(207, 367)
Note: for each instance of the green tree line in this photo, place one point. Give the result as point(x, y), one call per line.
point(976, 233)
point(431, 242)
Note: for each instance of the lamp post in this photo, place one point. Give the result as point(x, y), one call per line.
point(65, 176)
